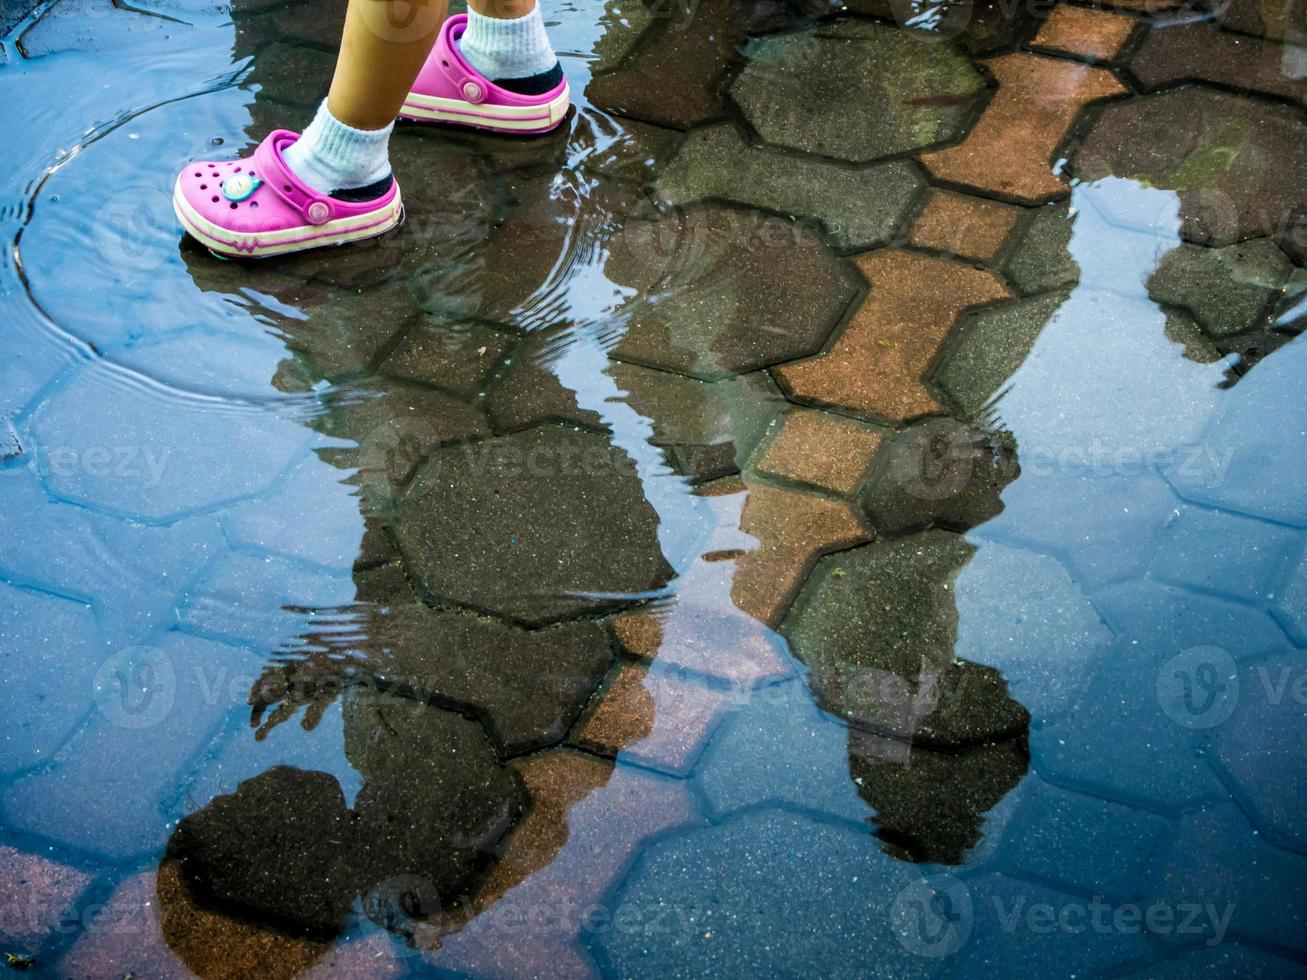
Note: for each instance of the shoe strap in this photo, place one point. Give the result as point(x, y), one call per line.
point(316, 207)
point(470, 84)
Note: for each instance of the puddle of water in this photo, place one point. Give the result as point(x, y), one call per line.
point(406, 606)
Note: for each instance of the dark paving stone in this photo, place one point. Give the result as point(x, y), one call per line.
point(622, 149)
point(707, 428)
point(293, 74)
point(1287, 22)
point(1041, 260)
point(859, 207)
point(938, 472)
point(1257, 891)
point(676, 79)
point(781, 748)
point(285, 847)
point(531, 685)
point(806, 91)
point(156, 708)
point(1199, 52)
point(1083, 843)
point(1227, 290)
point(1257, 468)
point(13, 11)
point(876, 627)
point(1259, 748)
point(1215, 551)
point(1231, 960)
point(50, 649)
point(705, 279)
point(1238, 164)
point(622, 24)
point(824, 883)
point(315, 23)
point(931, 806)
point(1011, 934)
point(537, 526)
point(455, 357)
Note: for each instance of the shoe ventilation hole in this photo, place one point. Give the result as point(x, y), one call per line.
point(215, 198)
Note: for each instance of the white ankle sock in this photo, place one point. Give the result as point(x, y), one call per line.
point(331, 156)
point(499, 49)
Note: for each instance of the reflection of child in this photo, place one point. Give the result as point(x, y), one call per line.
point(492, 69)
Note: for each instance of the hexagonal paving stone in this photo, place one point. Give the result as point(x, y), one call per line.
point(538, 526)
point(860, 208)
point(877, 363)
point(784, 869)
point(856, 91)
point(1041, 261)
point(1239, 164)
point(1197, 51)
point(716, 291)
point(1010, 150)
point(877, 627)
point(1227, 290)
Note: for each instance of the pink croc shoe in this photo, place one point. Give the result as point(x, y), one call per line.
point(256, 207)
point(450, 90)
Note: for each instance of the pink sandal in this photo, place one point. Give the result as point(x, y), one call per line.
point(257, 207)
point(450, 90)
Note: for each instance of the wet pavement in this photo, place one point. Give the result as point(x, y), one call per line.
point(834, 508)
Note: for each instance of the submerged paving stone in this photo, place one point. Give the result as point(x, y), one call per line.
point(1215, 551)
point(97, 26)
point(1285, 22)
point(586, 824)
point(1041, 260)
point(1230, 959)
point(1010, 151)
point(727, 925)
point(654, 718)
point(537, 526)
point(1291, 604)
point(455, 357)
point(1238, 164)
point(877, 363)
point(1083, 842)
point(1092, 34)
point(1197, 52)
point(877, 627)
point(1227, 290)
point(860, 208)
point(10, 447)
point(530, 685)
point(1258, 748)
point(959, 224)
point(939, 472)
point(37, 895)
point(676, 79)
point(809, 91)
point(703, 281)
point(821, 449)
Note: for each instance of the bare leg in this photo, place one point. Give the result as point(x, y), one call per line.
point(383, 48)
point(503, 9)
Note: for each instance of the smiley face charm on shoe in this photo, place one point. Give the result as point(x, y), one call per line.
point(238, 187)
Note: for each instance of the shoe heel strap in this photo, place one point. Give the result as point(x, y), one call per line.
point(317, 208)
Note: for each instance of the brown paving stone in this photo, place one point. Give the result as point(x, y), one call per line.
point(1197, 52)
point(584, 828)
point(793, 530)
point(960, 224)
point(1144, 6)
point(1010, 150)
point(36, 895)
point(1284, 20)
point(1094, 34)
point(150, 927)
point(654, 718)
point(877, 364)
point(821, 449)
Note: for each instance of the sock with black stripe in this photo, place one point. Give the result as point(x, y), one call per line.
point(514, 53)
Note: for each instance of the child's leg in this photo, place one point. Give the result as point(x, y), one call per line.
point(506, 42)
point(385, 42)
